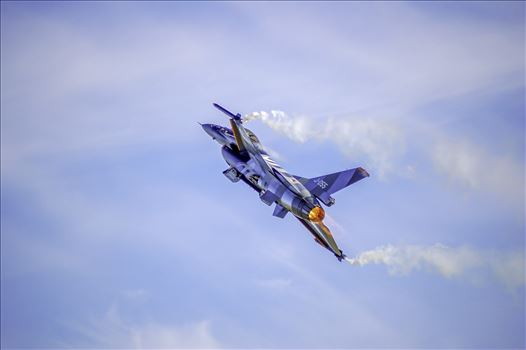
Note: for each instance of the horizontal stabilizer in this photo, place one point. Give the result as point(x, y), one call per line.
point(323, 186)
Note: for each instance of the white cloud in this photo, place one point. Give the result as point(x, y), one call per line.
point(392, 57)
point(112, 331)
point(468, 164)
point(381, 146)
point(509, 268)
point(73, 88)
point(85, 95)
point(382, 73)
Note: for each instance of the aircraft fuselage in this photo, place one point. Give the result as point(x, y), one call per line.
point(248, 161)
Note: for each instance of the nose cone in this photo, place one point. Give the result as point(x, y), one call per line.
point(208, 129)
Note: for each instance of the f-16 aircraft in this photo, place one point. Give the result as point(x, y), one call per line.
point(250, 163)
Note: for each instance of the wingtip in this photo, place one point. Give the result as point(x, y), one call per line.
point(364, 172)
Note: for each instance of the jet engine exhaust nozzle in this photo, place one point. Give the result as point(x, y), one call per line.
point(317, 214)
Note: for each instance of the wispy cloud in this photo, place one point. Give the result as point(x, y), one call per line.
point(406, 58)
point(467, 164)
point(111, 330)
point(379, 143)
point(86, 87)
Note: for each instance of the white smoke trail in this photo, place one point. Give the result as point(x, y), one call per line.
point(380, 143)
point(448, 262)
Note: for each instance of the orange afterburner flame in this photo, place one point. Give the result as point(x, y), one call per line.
point(316, 214)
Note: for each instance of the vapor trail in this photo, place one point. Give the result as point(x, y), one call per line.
point(380, 143)
point(448, 262)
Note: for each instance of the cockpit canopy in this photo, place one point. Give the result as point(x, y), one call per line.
point(222, 129)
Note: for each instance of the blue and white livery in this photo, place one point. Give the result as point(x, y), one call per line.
point(249, 162)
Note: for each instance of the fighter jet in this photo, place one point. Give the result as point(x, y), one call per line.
point(249, 162)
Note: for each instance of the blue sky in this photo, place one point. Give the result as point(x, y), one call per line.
point(119, 230)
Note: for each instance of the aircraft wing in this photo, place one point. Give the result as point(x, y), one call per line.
point(323, 236)
point(227, 112)
point(323, 186)
point(235, 123)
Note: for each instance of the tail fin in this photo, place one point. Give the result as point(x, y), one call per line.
point(323, 186)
